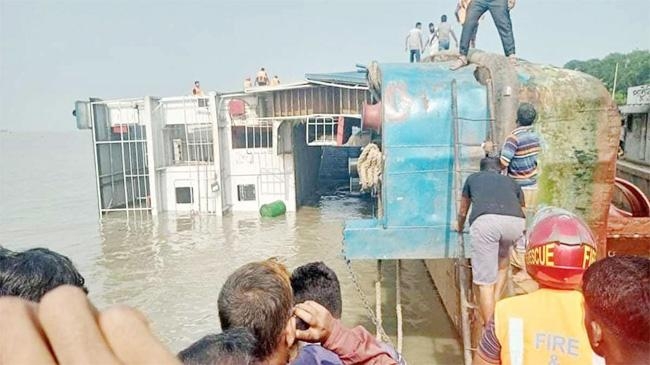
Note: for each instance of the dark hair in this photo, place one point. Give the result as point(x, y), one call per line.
point(32, 273)
point(257, 296)
point(196, 82)
point(431, 25)
point(490, 164)
point(316, 281)
point(418, 24)
point(526, 114)
point(232, 347)
point(443, 18)
point(617, 293)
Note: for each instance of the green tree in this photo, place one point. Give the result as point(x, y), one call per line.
point(633, 70)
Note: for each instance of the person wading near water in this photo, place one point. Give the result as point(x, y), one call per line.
point(443, 33)
point(414, 43)
point(617, 309)
point(496, 222)
point(545, 326)
point(500, 11)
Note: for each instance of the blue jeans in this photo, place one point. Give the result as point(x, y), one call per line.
point(443, 45)
point(501, 16)
point(415, 54)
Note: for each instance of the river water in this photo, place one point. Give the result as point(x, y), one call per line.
point(172, 267)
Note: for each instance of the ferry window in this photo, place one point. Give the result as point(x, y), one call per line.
point(246, 192)
point(252, 137)
point(184, 195)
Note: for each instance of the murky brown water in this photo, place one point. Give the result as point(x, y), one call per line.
point(172, 267)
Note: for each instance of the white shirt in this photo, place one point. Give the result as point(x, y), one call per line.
point(414, 39)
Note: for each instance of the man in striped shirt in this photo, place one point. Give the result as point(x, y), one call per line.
point(519, 158)
point(519, 152)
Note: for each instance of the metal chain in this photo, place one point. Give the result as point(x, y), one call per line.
point(364, 298)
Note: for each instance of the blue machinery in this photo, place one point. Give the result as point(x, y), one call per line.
point(433, 122)
point(417, 189)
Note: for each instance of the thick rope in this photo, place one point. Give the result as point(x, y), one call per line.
point(369, 166)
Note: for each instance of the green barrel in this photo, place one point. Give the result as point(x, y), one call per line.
point(273, 209)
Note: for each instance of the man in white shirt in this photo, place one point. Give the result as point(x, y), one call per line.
point(414, 43)
point(431, 45)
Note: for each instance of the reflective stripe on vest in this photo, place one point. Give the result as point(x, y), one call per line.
point(516, 340)
point(545, 327)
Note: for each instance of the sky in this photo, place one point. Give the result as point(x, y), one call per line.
point(53, 52)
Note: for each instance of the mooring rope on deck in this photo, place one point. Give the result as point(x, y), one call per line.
point(369, 166)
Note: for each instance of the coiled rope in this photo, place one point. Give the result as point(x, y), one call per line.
point(369, 166)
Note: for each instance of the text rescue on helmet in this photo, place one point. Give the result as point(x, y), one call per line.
point(543, 255)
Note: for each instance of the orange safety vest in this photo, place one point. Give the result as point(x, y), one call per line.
point(545, 327)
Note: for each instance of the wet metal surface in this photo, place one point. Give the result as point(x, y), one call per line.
point(418, 149)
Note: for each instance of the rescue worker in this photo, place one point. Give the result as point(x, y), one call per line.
point(546, 326)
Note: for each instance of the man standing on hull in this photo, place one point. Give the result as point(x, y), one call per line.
point(443, 33)
point(500, 10)
point(414, 44)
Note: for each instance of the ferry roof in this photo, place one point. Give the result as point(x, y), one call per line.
point(350, 79)
point(357, 78)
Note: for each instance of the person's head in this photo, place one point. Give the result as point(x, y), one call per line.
point(418, 25)
point(526, 114)
point(559, 248)
point(262, 69)
point(232, 347)
point(316, 281)
point(196, 83)
point(490, 164)
point(617, 301)
point(431, 27)
point(443, 18)
point(258, 296)
point(32, 273)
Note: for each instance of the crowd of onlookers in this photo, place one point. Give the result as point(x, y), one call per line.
point(267, 314)
point(271, 316)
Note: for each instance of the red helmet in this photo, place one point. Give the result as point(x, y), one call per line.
point(559, 249)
